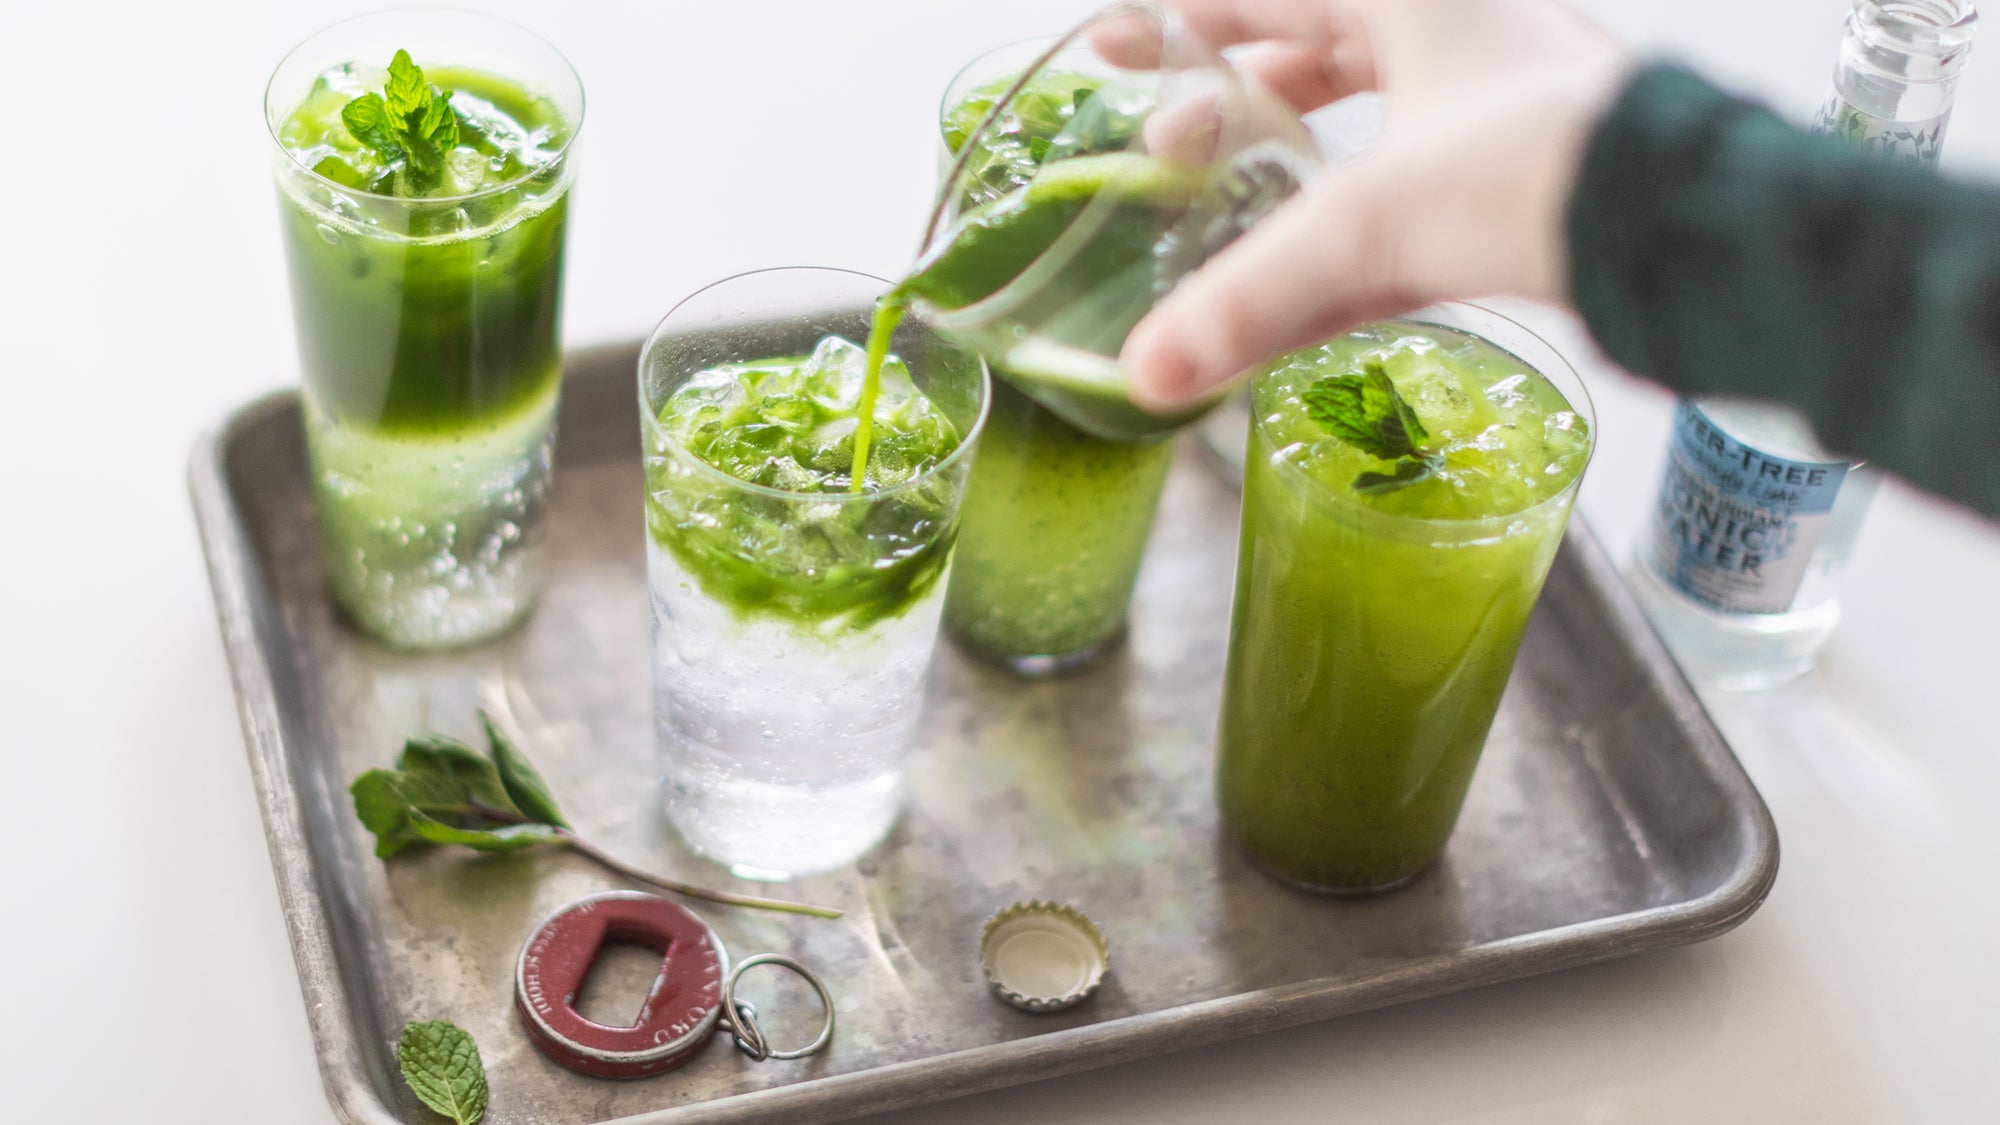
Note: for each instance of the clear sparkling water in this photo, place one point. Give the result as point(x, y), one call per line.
point(434, 542)
point(783, 743)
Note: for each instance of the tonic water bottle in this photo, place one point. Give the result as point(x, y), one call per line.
point(1739, 568)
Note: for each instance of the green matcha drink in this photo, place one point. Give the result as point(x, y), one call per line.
point(423, 205)
point(802, 501)
point(1055, 519)
point(1406, 487)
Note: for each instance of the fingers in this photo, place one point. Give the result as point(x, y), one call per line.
point(1308, 77)
point(1309, 23)
point(1322, 262)
point(1306, 51)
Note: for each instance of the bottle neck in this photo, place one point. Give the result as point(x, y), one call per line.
point(1900, 60)
point(1897, 75)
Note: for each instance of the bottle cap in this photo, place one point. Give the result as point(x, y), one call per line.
point(1042, 956)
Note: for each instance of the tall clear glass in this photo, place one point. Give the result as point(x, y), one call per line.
point(1056, 519)
point(428, 324)
point(1368, 649)
point(792, 630)
point(1074, 231)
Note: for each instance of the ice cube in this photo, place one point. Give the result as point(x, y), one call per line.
point(833, 374)
point(470, 171)
point(1508, 394)
point(1565, 440)
point(792, 413)
point(895, 386)
point(1417, 366)
point(786, 473)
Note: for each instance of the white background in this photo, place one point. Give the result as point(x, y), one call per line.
point(147, 975)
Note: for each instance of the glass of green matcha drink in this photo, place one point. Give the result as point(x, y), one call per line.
point(423, 167)
point(1084, 188)
point(1056, 519)
point(802, 500)
point(1406, 487)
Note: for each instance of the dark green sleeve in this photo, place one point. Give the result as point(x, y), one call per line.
point(1719, 250)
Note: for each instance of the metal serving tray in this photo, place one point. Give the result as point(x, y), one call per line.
point(1608, 817)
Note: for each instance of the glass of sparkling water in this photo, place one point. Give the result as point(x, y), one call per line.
point(794, 614)
point(428, 304)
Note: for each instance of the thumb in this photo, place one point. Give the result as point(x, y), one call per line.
point(1325, 260)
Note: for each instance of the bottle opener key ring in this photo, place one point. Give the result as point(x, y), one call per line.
point(693, 997)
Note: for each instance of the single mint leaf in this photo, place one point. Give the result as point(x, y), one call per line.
point(1366, 412)
point(1038, 149)
point(407, 91)
point(384, 810)
point(441, 1064)
point(440, 754)
point(524, 784)
point(1409, 471)
point(367, 118)
point(511, 838)
point(385, 800)
point(440, 122)
point(1413, 428)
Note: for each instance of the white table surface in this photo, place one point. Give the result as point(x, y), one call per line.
point(142, 295)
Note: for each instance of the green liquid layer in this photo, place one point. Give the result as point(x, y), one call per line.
point(419, 317)
point(1052, 535)
point(804, 544)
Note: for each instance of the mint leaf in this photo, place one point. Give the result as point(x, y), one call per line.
point(1367, 412)
point(524, 785)
point(384, 800)
point(440, 754)
point(407, 91)
point(441, 1064)
point(1409, 471)
point(368, 119)
point(512, 838)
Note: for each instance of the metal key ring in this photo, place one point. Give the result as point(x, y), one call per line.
point(741, 1018)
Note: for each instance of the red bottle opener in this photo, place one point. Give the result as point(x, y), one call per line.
point(693, 997)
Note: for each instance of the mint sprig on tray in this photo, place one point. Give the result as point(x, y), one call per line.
point(1367, 412)
point(444, 792)
point(441, 1063)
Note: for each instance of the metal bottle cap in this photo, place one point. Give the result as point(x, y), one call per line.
point(1042, 956)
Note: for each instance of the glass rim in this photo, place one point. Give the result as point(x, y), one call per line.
point(557, 160)
point(1342, 500)
point(650, 418)
point(944, 98)
point(1173, 33)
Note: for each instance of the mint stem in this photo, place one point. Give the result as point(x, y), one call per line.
point(589, 850)
point(612, 863)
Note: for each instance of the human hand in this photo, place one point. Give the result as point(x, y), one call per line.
point(1489, 104)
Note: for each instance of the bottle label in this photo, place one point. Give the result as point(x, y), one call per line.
point(1913, 142)
point(1735, 527)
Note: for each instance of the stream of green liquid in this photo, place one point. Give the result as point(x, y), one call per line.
point(888, 314)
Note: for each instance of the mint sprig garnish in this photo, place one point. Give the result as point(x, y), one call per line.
point(411, 122)
point(1366, 412)
point(441, 1064)
point(444, 792)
